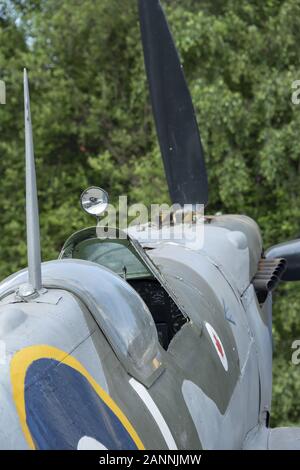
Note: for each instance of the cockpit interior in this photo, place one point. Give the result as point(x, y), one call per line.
point(120, 256)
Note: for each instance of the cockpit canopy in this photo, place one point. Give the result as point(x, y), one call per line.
point(117, 254)
point(125, 257)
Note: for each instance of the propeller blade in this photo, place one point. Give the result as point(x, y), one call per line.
point(173, 110)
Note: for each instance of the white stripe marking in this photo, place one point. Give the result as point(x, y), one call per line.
point(158, 417)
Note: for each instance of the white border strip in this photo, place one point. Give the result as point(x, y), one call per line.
point(158, 417)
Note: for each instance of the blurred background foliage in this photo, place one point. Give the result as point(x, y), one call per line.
point(93, 125)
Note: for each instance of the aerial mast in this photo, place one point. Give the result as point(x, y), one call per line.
point(32, 210)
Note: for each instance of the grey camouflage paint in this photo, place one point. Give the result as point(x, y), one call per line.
point(202, 404)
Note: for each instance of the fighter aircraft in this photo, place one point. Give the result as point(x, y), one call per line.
point(134, 343)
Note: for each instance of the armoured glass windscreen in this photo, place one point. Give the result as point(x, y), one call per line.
point(114, 255)
point(117, 254)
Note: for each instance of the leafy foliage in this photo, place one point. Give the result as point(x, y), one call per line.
point(93, 124)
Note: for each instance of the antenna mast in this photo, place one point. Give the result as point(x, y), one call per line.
point(32, 210)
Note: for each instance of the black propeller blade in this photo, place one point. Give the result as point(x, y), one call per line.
point(173, 110)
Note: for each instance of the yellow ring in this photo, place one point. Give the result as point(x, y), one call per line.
point(18, 368)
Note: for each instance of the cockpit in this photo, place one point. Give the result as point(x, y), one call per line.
point(127, 259)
